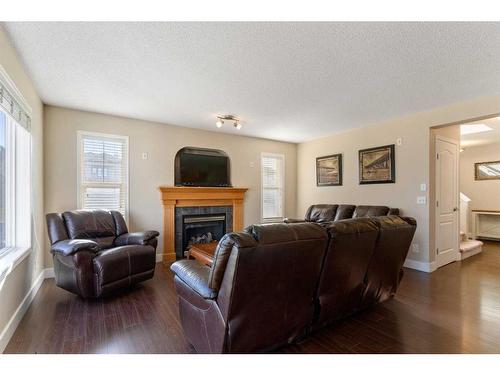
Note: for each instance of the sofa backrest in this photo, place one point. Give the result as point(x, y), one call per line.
point(363, 264)
point(56, 228)
point(344, 211)
point(341, 284)
point(267, 291)
point(320, 213)
point(384, 272)
point(102, 226)
point(370, 211)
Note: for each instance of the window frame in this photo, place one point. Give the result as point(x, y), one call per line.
point(14, 254)
point(272, 219)
point(12, 203)
point(81, 134)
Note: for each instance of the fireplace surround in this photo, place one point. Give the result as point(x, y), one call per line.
point(198, 199)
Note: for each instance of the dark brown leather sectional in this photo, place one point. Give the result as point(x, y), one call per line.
point(322, 213)
point(94, 254)
point(276, 283)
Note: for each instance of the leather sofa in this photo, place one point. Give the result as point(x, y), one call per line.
point(274, 284)
point(94, 254)
point(323, 213)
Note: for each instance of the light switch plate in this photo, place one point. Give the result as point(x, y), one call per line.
point(423, 187)
point(399, 141)
point(422, 200)
point(145, 156)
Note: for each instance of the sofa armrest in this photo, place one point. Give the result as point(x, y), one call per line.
point(69, 247)
point(289, 221)
point(136, 238)
point(195, 275)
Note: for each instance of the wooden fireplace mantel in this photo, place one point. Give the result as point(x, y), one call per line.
point(180, 196)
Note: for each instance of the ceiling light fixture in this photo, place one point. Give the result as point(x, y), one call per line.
point(236, 121)
point(474, 128)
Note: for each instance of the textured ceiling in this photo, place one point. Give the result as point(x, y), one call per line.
point(287, 81)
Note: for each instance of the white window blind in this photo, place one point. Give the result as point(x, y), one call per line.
point(103, 172)
point(12, 103)
point(272, 166)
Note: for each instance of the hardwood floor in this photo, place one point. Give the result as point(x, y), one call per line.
point(453, 310)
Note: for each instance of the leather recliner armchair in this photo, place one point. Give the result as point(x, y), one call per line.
point(324, 213)
point(94, 254)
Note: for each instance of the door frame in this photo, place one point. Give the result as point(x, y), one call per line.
point(457, 198)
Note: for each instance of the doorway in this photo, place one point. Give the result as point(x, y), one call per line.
point(451, 209)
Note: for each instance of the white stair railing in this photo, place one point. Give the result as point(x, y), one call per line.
point(464, 214)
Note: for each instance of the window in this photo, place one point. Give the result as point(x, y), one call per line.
point(103, 172)
point(273, 177)
point(15, 181)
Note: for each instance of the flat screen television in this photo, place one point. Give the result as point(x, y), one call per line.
point(202, 167)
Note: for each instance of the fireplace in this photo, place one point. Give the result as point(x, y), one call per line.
point(200, 225)
point(205, 228)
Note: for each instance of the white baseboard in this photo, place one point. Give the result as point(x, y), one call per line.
point(14, 321)
point(420, 266)
point(159, 258)
point(48, 273)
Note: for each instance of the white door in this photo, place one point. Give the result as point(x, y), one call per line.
point(447, 196)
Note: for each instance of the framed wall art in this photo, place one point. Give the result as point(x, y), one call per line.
point(329, 170)
point(488, 170)
point(377, 165)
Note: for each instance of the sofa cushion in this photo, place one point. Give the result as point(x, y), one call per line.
point(89, 224)
point(320, 213)
point(124, 261)
point(370, 211)
point(104, 242)
point(393, 211)
point(275, 233)
point(344, 211)
point(120, 225)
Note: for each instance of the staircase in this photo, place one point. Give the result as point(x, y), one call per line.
point(468, 247)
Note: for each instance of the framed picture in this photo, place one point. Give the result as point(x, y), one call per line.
point(377, 165)
point(329, 170)
point(488, 170)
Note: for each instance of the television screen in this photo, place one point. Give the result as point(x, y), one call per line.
point(203, 170)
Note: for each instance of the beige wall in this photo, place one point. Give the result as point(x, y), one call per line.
point(162, 142)
point(21, 278)
point(485, 195)
point(412, 164)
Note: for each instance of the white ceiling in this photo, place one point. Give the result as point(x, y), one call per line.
point(484, 138)
point(287, 81)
